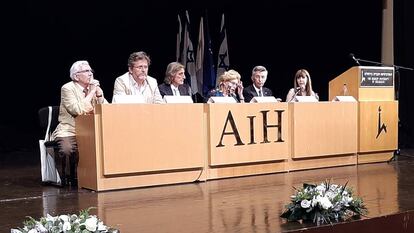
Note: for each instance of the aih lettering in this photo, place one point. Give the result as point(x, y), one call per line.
point(235, 132)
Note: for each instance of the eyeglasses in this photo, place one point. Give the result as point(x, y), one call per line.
point(141, 67)
point(259, 76)
point(85, 71)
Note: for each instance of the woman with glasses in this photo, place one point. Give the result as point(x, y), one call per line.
point(229, 85)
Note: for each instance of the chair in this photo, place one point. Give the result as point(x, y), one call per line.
point(51, 146)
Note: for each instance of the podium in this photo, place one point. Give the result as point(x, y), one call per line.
point(373, 88)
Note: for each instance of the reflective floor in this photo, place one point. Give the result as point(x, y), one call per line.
point(247, 204)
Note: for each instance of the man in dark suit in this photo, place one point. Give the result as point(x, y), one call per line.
point(259, 76)
point(174, 81)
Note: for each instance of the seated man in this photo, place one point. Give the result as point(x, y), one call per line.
point(137, 81)
point(259, 76)
point(78, 97)
point(174, 81)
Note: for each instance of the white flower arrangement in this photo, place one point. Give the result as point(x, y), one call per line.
point(84, 223)
point(324, 203)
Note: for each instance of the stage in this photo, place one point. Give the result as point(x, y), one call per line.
point(245, 204)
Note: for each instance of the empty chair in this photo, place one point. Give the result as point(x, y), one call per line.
point(51, 147)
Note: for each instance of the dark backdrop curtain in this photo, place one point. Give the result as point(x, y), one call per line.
point(404, 56)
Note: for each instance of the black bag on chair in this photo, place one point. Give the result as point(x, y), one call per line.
point(47, 148)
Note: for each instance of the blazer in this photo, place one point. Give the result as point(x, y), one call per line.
point(165, 89)
point(124, 86)
point(72, 104)
point(249, 92)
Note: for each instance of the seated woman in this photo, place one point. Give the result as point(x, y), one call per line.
point(302, 86)
point(229, 84)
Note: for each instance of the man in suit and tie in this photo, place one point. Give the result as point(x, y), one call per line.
point(174, 81)
point(259, 76)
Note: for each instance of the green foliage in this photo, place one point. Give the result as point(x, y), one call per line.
point(323, 203)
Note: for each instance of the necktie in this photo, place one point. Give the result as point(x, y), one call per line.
point(85, 91)
point(260, 93)
point(176, 92)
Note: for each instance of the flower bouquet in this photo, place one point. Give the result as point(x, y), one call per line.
point(323, 203)
point(82, 223)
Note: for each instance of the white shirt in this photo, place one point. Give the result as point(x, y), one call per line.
point(175, 90)
point(259, 91)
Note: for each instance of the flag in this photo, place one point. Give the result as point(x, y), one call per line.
point(187, 57)
point(179, 32)
point(209, 72)
point(223, 55)
point(200, 58)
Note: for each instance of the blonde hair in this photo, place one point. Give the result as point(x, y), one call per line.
point(229, 75)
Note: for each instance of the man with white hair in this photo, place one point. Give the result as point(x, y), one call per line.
point(78, 97)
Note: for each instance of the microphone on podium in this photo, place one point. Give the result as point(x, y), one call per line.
point(351, 55)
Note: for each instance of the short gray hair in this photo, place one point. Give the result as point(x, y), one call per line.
point(172, 69)
point(76, 67)
point(258, 69)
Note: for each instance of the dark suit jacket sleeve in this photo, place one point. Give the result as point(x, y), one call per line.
point(164, 89)
point(249, 94)
point(267, 92)
point(184, 89)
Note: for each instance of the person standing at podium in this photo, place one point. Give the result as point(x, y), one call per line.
point(302, 86)
point(137, 81)
point(230, 85)
point(78, 97)
point(259, 77)
point(174, 81)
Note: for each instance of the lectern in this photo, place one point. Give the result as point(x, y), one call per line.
point(373, 88)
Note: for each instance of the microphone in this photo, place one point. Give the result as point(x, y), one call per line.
point(297, 90)
point(234, 96)
point(150, 88)
point(351, 55)
point(94, 82)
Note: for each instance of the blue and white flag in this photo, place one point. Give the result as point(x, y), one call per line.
point(209, 71)
point(179, 32)
point(223, 63)
point(200, 58)
point(187, 57)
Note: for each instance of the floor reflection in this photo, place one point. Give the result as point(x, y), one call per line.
point(246, 204)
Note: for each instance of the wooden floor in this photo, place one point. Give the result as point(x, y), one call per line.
point(247, 204)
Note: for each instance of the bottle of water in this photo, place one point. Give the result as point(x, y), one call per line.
point(344, 90)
